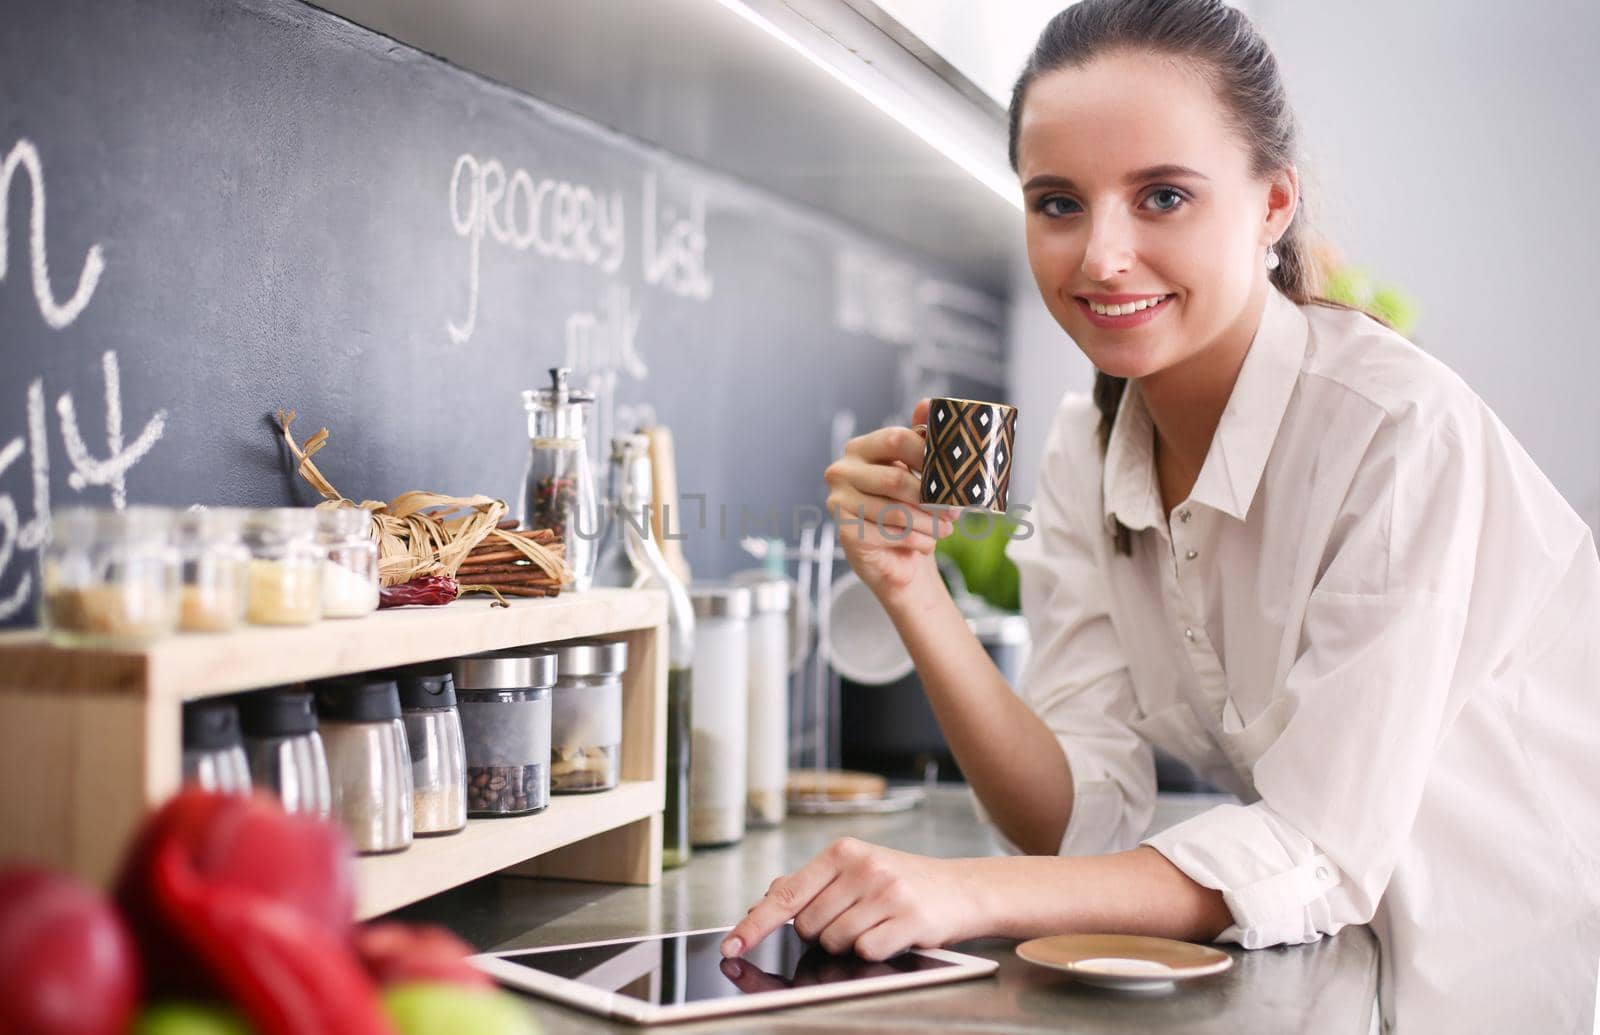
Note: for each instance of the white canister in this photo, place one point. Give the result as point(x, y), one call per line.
point(767, 765)
point(718, 746)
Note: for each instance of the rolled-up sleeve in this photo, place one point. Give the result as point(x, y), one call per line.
point(1399, 631)
point(1076, 678)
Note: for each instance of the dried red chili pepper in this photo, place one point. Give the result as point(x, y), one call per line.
point(424, 589)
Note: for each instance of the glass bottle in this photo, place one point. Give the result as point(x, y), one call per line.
point(558, 489)
point(630, 557)
point(350, 573)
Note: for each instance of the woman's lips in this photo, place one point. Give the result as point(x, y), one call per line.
point(1121, 323)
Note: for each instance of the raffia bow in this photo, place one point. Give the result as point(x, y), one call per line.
point(424, 533)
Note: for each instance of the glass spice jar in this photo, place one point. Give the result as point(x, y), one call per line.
point(216, 566)
point(109, 577)
point(369, 762)
point(558, 490)
point(285, 749)
point(213, 750)
point(350, 571)
point(438, 752)
point(285, 566)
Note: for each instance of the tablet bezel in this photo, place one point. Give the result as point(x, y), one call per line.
point(637, 1011)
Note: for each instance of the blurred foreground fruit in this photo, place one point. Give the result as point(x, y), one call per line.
point(396, 953)
point(189, 1019)
point(435, 1009)
point(67, 963)
point(231, 897)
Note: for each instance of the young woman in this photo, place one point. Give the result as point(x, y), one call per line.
point(1281, 543)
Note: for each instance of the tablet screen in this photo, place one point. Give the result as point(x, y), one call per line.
point(689, 968)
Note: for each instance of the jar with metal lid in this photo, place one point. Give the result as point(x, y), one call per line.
point(369, 763)
point(109, 577)
point(350, 568)
point(767, 765)
point(504, 699)
point(558, 490)
point(215, 569)
point(285, 566)
point(438, 752)
point(285, 749)
point(213, 752)
point(586, 716)
point(718, 713)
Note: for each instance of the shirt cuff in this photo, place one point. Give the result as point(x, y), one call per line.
point(1274, 880)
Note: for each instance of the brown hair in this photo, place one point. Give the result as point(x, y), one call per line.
point(1225, 46)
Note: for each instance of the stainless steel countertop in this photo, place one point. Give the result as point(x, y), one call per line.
point(1327, 986)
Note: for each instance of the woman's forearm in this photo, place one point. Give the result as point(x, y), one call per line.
point(1136, 892)
point(1006, 752)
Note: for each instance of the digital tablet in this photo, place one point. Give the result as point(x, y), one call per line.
point(680, 977)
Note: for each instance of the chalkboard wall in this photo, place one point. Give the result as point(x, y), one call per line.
point(216, 208)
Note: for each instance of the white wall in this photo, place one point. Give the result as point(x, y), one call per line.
point(1453, 150)
point(1456, 151)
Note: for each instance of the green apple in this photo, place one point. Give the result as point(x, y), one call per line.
point(189, 1019)
point(1351, 285)
point(434, 1008)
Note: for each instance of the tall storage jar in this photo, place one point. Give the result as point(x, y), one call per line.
point(718, 714)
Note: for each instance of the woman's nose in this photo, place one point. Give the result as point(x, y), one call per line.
point(1109, 251)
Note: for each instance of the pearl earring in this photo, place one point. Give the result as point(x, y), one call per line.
point(1272, 259)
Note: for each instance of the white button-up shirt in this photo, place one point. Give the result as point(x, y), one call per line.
point(1376, 622)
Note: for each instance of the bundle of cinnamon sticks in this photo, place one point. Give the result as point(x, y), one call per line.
point(496, 563)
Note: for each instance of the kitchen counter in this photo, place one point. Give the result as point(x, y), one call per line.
point(1327, 986)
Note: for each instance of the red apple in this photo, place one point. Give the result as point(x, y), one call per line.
point(395, 953)
point(67, 964)
point(246, 845)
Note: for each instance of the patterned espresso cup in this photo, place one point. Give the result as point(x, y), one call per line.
point(966, 460)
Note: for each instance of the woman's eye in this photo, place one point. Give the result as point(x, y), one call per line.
point(1169, 199)
point(1056, 205)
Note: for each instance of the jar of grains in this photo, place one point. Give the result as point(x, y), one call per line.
point(285, 566)
point(350, 570)
point(216, 566)
point(109, 577)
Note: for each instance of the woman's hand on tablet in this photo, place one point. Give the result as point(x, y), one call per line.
point(875, 491)
point(874, 901)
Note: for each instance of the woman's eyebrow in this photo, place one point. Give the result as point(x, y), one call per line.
point(1154, 172)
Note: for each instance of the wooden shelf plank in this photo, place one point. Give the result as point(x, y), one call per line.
point(433, 864)
point(192, 665)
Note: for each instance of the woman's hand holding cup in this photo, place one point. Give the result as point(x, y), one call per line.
point(875, 496)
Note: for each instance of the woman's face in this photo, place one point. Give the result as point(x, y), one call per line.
point(1113, 216)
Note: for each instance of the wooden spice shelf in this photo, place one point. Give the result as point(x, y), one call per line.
point(91, 739)
point(192, 665)
point(385, 882)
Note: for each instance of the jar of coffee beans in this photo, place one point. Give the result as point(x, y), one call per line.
point(504, 700)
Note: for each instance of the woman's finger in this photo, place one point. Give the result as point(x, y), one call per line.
point(821, 911)
point(787, 897)
point(891, 937)
point(885, 444)
point(839, 937)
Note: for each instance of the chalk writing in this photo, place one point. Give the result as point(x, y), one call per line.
point(557, 219)
point(674, 249)
point(86, 470)
point(57, 314)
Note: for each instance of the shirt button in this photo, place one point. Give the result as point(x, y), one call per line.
point(1322, 873)
point(1183, 515)
point(1189, 633)
point(1191, 555)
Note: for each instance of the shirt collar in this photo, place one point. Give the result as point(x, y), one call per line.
point(1238, 455)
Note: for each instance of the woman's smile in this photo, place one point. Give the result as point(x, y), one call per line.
point(1122, 312)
